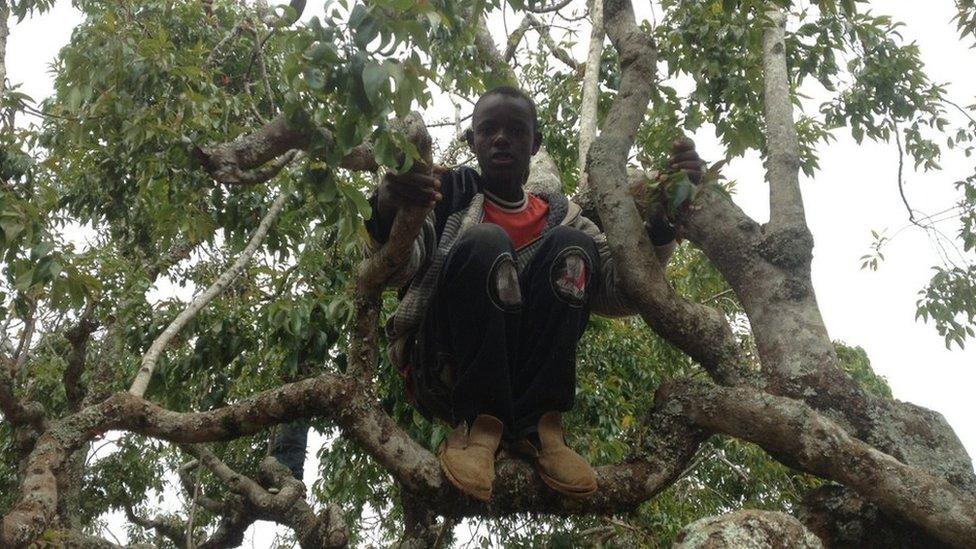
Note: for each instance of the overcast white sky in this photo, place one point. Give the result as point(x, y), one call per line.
point(853, 193)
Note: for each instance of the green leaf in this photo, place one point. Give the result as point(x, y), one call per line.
point(315, 78)
point(357, 198)
point(375, 82)
point(680, 190)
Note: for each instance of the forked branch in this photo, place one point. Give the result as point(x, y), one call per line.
point(700, 331)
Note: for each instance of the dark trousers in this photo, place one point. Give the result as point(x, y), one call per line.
point(289, 446)
point(503, 343)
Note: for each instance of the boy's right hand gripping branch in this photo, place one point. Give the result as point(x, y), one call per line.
point(410, 189)
point(685, 158)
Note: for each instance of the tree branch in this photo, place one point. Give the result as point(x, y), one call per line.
point(345, 400)
point(217, 52)
point(787, 427)
point(189, 486)
point(275, 21)
point(700, 331)
point(223, 281)
point(5, 119)
point(287, 506)
point(169, 527)
point(782, 147)
point(555, 7)
point(78, 337)
point(230, 162)
point(531, 21)
point(16, 411)
point(23, 348)
point(591, 93)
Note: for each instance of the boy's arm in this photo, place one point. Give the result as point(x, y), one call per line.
point(394, 192)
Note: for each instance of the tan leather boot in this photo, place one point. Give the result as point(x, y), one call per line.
point(468, 456)
point(560, 467)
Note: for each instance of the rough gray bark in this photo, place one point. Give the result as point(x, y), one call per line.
point(782, 146)
point(786, 427)
point(841, 518)
point(769, 269)
point(747, 529)
point(700, 331)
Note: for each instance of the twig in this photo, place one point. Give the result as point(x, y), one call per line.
point(20, 357)
point(448, 122)
point(735, 468)
point(156, 349)
point(552, 8)
point(962, 110)
point(723, 293)
point(215, 53)
point(447, 525)
point(193, 510)
point(901, 169)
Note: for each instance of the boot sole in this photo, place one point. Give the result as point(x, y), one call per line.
point(480, 496)
point(557, 486)
point(564, 489)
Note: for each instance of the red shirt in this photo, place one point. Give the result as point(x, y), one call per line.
point(523, 221)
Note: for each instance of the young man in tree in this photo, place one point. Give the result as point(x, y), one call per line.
point(500, 284)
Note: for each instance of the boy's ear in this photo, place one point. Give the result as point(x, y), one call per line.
point(536, 141)
point(469, 138)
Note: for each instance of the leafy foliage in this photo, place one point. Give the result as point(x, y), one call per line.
point(104, 207)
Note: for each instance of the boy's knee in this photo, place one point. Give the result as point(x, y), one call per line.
point(573, 265)
point(485, 239)
point(481, 245)
point(484, 255)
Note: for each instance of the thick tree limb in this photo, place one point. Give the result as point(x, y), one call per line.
point(375, 272)
point(231, 162)
point(782, 146)
point(263, 173)
point(783, 426)
point(17, 411)
point(747, 528)
point(787, 427)
point(286, 506)
point(344, 400)
point(223, 281)
point(78, 337)
point(700, 331)
point(769, 269)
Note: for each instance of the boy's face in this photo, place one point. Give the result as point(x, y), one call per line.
point(503, 138)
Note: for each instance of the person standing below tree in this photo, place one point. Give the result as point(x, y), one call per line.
point(499, 287)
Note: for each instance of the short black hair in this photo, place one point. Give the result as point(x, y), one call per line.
point(512, 91)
